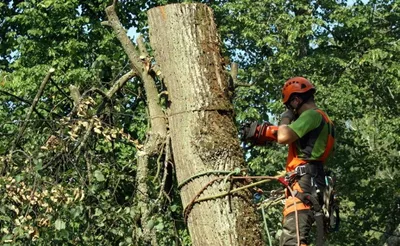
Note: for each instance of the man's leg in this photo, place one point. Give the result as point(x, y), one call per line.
point(289, 230)
point(305, 215)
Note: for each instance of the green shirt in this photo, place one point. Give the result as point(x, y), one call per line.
point(313, 133)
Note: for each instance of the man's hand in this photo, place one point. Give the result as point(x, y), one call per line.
point(288, 114)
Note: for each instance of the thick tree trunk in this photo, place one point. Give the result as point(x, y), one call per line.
point(201, 122)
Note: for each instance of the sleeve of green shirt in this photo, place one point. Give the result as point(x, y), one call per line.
point(307, 121)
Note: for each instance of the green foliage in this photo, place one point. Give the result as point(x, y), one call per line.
point(83, 188)
point(60, 188)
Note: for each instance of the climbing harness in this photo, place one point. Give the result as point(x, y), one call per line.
point(322, 199)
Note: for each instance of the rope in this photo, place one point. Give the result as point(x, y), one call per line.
point(236, 171)
point(237, 189)
point(266, 226)
point(296, 216)
point(230, 174)
point(189, 207)
point(201, 110)
point(206, 173)
point(265, 206)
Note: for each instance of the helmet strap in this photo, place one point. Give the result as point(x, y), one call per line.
point(300, 104)
point(304, 99)
point(289, 107)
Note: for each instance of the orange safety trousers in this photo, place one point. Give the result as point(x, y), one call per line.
point(292, 222)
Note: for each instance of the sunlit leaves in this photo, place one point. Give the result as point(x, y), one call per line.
point(59, 224)
point(99, 176)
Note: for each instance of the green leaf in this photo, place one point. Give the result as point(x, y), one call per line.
point(59, 225)
point(46, 3)
point(18, 178)
point(174, 208)
point(159, 226)
point(98, 212)
point(39, 165)
point(150, 224)
point(5, 218)
point(99, 176)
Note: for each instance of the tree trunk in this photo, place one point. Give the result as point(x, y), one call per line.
point(201, 122)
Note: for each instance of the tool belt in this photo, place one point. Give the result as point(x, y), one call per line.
point(311, 193)
point(319, 195)
point(314, 168)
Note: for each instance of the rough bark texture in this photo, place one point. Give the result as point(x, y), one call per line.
point(201, 122)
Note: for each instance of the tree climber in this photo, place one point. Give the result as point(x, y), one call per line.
point(310, 135)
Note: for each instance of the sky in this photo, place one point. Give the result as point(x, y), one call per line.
point(132, 33)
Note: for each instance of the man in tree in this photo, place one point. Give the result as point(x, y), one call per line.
point(310, 135)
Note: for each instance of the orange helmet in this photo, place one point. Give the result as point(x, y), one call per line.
point(295, 85)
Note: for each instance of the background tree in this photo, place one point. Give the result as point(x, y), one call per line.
point(64, 183)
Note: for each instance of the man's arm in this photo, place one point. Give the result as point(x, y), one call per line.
point(285, 134)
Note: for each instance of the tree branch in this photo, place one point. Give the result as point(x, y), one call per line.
point(107, 96)
point(142, 47)
point(120, 32)
point(156, 115)
point(234, 75)
point(85, 137)
point(234, 71)
point(153, 70)
point(105, 23)
point(158, 132)
point(120, 83)
point(60, 90)
point(34, 103)
point(27, 102)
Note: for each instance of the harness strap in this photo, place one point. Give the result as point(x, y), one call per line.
point(331, 136)
point(308, 199)
point(319, 221)
point(313, 168)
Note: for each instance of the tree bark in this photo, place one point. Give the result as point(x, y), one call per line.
point(201, 122)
